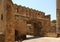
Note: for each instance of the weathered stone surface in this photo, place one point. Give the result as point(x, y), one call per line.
point(58, 16)
point(10, 32)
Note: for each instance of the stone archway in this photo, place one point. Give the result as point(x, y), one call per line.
point(37, 28)
point(17, 36)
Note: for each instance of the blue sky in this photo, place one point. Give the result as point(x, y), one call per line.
point(47, 6)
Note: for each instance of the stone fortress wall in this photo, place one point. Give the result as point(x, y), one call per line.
point(16, 17)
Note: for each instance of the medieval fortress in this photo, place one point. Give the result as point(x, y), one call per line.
point(17, 21)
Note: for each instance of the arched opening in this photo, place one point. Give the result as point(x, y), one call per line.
point(38, 29)
point(35, 28)
point(17, 36)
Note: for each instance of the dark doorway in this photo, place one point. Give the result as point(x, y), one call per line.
point(17, 36)
point(38, 28)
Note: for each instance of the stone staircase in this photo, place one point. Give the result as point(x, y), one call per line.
point(2, 38)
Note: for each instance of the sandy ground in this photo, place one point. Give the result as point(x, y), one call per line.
point(43, 39)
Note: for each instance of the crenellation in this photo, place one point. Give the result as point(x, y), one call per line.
point(20, 10)
point(23, 11)
point(39, 14)
point(42, 14)
point(48, 17)
point(15, 7)
point(27, 12)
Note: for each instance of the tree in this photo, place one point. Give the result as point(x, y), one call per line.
point(53, 21)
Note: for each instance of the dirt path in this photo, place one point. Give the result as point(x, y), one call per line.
point(43, 39)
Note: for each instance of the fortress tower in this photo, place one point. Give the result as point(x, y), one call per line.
point(6, 20)
point(58, 16)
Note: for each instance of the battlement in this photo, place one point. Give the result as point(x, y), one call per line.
point(24, 10)
point(48, 17)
